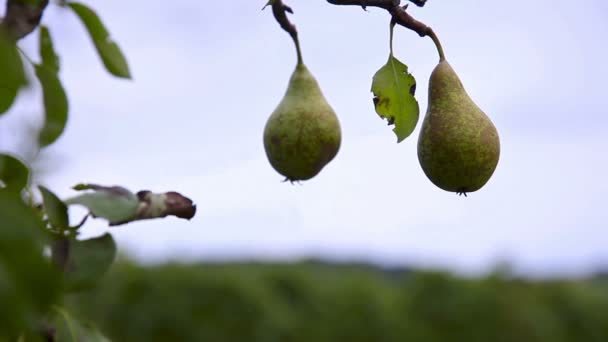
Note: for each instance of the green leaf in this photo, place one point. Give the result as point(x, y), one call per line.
point(121, 206)
point(8, 95)
point(55, 209)
point(49, 57)
point(14, 175)
point(70, 329)
point(394, 90)
point(113, 59)
point(12, 74)
point(55, 106)
point(89, 261)
point(114, 204)
point(29, 284)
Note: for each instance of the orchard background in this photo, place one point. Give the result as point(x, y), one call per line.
point(206, 76)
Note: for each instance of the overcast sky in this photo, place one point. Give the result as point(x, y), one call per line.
point(207, 74)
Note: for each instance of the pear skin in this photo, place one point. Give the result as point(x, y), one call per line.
point(458, 146)
point(303, 133)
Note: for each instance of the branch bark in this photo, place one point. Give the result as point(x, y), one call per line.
point(398, 13)
point(399, 16)
point(386, 4)
point(22, 17)
point(280, 10)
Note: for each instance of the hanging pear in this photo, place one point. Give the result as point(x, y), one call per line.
point(458, 146)
point(303, 133)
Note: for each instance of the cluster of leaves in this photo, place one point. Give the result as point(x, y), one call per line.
point(41, 258)
point(31, 284)
point(313, 302)
point(55, 100)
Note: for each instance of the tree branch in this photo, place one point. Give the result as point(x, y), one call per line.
point(398, 13)
point(419, 3)
point(280, 10)
point(386, 4)
point(22, 17)
point(399, 16)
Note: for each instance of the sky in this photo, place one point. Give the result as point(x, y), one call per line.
point(208, 74)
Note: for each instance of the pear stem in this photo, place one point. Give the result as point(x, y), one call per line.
point(435, 39)
point(392, 30)
point(280, 10)
point(296, 41)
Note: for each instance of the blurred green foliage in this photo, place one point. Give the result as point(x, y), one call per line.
point(28, 283)
point(319, 302)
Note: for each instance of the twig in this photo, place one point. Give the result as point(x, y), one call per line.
point(386, 4)
point(399, 16)
point(280, 10)
point(22, 17)
point(419, 3)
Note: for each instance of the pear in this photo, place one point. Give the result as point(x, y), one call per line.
point(303, 133)
point(458, 146)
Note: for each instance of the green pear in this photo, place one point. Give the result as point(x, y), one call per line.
point(458, 146)
point(303, 133)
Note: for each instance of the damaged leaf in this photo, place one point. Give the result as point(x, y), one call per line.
point(120, 206)
point(153, 205)
point(394, 100)
point(114, 204)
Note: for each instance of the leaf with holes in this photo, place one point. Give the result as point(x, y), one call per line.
point(55, 106)
point(14, 175)
point(394, 89)
point(55, 209)
point(111, 55)
point(12, 74)
point(113, 203)
point(89, 260)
